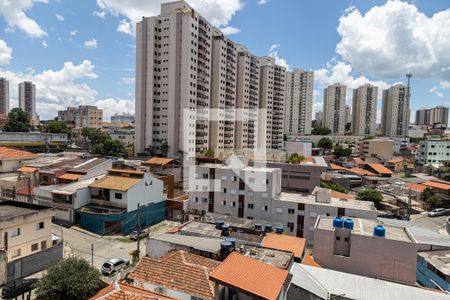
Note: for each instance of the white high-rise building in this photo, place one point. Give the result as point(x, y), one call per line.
point(298, 102)
point(319, 118)
point(348, 114)
point(364, 110)
point(184, 67)
point(27, 100)
point(334, 108)
point(395, 111)
point(4, 96)
point(271, 102)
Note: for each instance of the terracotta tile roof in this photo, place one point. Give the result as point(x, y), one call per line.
point(181, 271)
point(285, 242)
point(118, 183)
point(358, 161)
point(416, 187)
point(340, 195)
point(259, 279)
point(380, 169)
point(128, 292)
point(26, 169)
point(360, 171)
point(395, 160)
point(437, 185)
point(70, 176)
point(336, 167)
point(162, 161)
point(122, 171)
point(7, 153)
point(310, 261)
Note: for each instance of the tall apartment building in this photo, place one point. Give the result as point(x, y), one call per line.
point(27, 99)
point(431, 116)
point(84, 116)
point(247, 99)
point(334, 108)
point(423, 116)
point(4, 96)
point(319, 118)
point(364, 115)
point(271, 102)
point(395, 111)
point(298, 103)
point(348, 114)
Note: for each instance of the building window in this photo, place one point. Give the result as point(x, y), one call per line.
point(14, 232)
point(43, 245)
point(338, 238)
point(16, 253)
point(291, 211)
point(34, 247)
point(250, 205)
point(233, 204)
point(118, 195)
point(40, 226)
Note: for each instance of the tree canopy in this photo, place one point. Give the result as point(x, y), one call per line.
point(70, 279)
point(325, 143)
point(333, 186)
point(340, 151)
point(429, 196)
point(295, 158)
point(17, 121)
point(369, 194)
point(102, 142)
point(209, 153)
point(55, 126)
point(321, 130)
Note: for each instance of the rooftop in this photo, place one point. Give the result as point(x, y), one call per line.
point(87, 165)
point(160, 161)
point(118, 183)
point(179, 271)
point(254, 277)
point(284, 242)
point(274, 257)
point(437, 185)
point(325, 283)
point(360, 171)
point(366, 227)
point(11, 153)
point(196, 242)
point(380, 169)
point(15, 209)
point(309, 199)
point(125, 291)
point(72, 188)
point(70, 176)
point(439, 259)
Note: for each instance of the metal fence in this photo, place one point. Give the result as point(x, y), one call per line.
point(34, 263)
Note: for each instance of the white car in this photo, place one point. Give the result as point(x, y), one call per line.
point(114, 265)
point(437, 212)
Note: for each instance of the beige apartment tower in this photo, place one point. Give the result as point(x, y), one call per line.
point(334, 108)
point(4, 96)
point(88, 116)
point(298, 102)
point(364, 115)
point(27, 100)
point(395, 111)
point(271, 103)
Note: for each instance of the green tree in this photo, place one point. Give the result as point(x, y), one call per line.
point(70, 279)
point(295, 158)
point(340, 151)
point(427, 193)
point(102, 143)
point(372, 195)
point(208, 153)
point(164, 148)
point(55, 126)
point(325, 143)
point(333, 186)
point(17, 121)
point(321, 130)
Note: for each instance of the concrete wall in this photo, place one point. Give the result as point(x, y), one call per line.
point(150, 187)
point(32, 137)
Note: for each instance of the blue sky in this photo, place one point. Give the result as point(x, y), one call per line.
point(82, 52)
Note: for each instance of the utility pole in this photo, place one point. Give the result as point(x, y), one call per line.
point(92, 255)
point(409, 205)
point(138, 225)
point(408, 101)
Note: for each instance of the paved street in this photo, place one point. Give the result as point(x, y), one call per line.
point(436, 224)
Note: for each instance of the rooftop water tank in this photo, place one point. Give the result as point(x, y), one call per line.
point(279, 229)
point(232, 241)
point(268, 227)
point(225, 229)
point(338, 223)
point(379, 230)
point(219, 224)
point(348, 224)
point(258, 226)
point(225, 248)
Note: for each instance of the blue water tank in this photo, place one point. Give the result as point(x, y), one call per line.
point(219, 224)
point(225, 248)
point(225, 229)
point(268, 227)
point(279, 229)
point(232, 241)
point(348, 224)
point(379, 230)
point(258, 226)
point(338, 223)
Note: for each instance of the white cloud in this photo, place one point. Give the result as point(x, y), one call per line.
point(262, 2)
point(73, 32)
point(125, 27)
point(229, 30)
point(111, 106)
point(44, 44)
point(273, 52)
point(218, 12)
point(14, 14)
point(5, 53)
point(445, 84)
point(436, 91)
point(128, 80)
point(91, 43)
point(59, 17)
point(100, 14)
point(395, 38)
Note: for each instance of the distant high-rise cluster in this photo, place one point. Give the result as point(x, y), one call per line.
point(432, 116)
point(334, 108)
point(364, 108)
point(395, 111)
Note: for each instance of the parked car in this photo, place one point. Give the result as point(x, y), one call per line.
point(437, 212)
point(142, 234)
point(19, 287)
point(114, 265)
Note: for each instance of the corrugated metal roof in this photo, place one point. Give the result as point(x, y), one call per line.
point(323, 282)
point(200, 243)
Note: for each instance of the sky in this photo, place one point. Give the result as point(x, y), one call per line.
point(83, 52)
